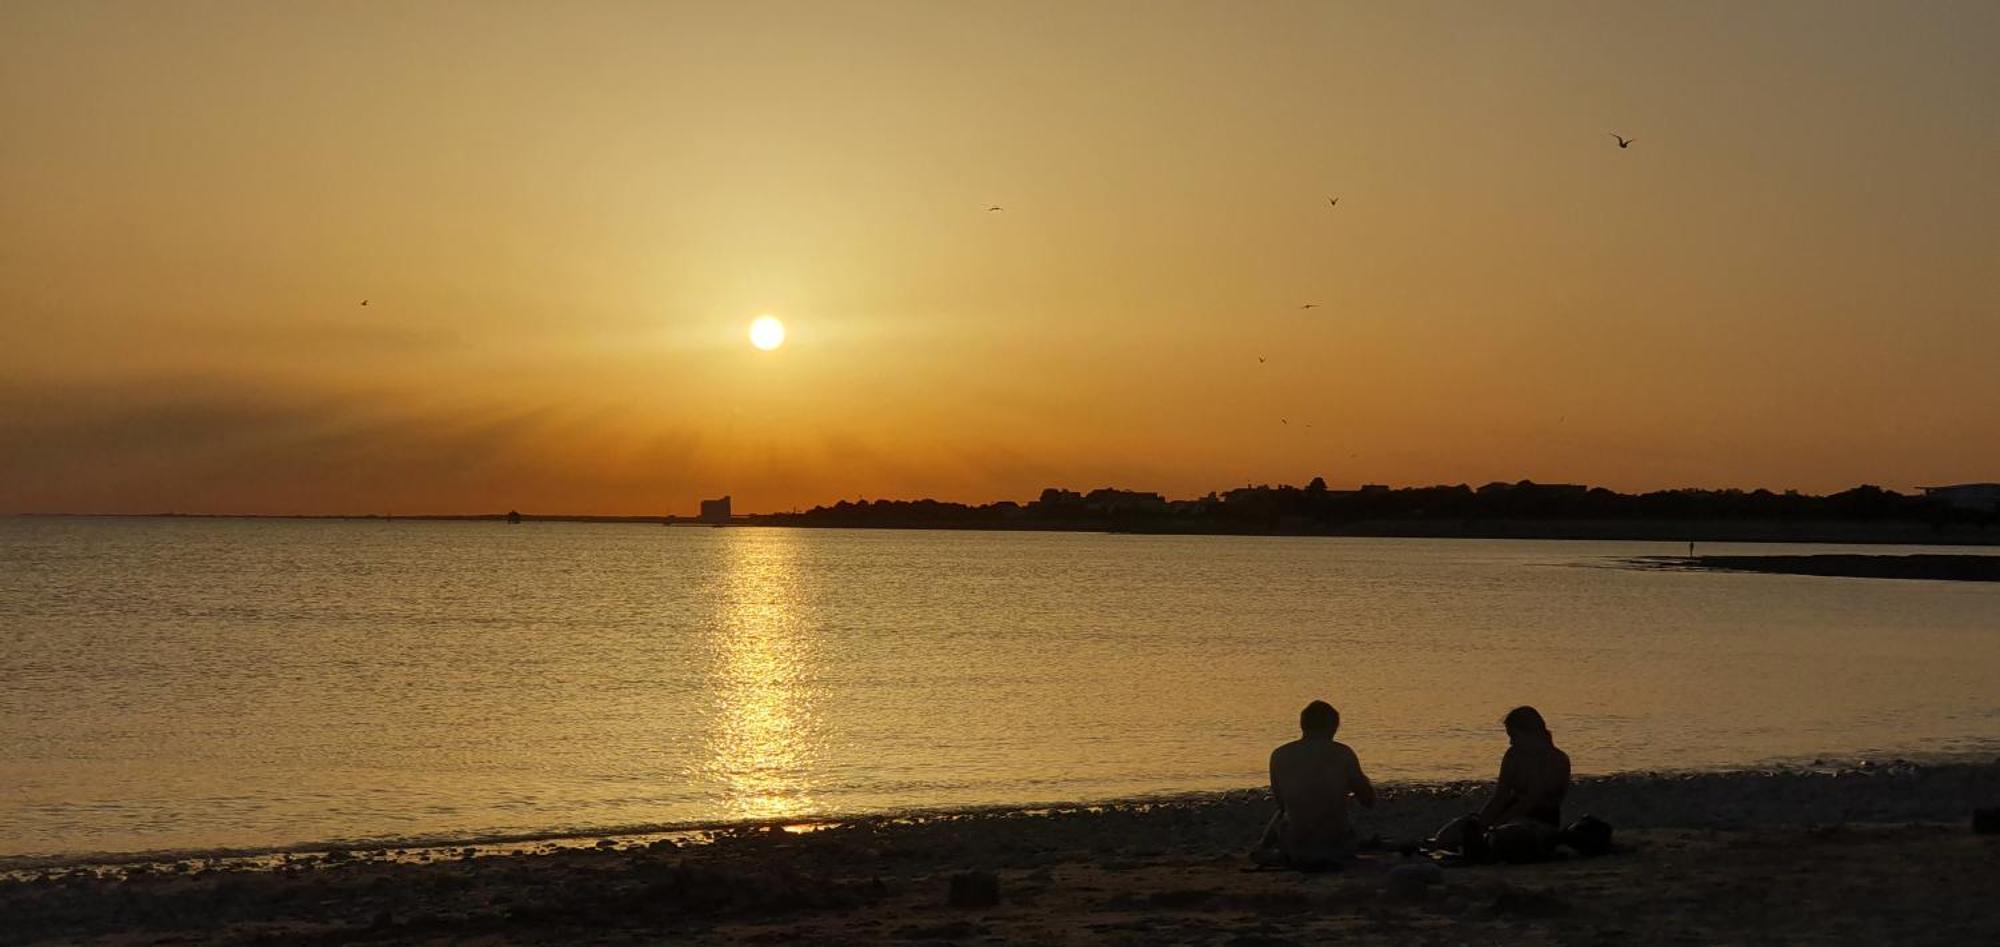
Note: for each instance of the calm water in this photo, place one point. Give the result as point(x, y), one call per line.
point(170, 684)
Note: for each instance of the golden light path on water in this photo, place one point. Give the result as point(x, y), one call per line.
point(762, 744)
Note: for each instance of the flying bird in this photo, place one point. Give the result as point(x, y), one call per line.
point(1333, 202)
point(1623, 142)
point(1260, 359)
point(1310, 306)
point(364, 302)
point(993, 207)
point(1284, 422)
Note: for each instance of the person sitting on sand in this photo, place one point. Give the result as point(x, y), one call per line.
point(1523, 820)
point(1311, 779)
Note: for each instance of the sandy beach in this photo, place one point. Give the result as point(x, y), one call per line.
point(1870, 853)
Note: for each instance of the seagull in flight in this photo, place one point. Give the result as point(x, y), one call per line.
point(1310, 306)
point(1623, 142)
point(993, 207)
point(1333, 202)
point(1260, 359)
point(364, 302)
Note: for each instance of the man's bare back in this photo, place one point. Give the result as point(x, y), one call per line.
point(1311, 779)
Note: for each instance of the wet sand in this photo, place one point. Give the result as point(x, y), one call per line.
point(1875, 854)
point(1972, 568)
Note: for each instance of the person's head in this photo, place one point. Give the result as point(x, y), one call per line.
point(1319, 719)
point(1525, 723)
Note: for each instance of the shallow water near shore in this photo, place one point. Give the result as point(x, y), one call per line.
point(200, 684)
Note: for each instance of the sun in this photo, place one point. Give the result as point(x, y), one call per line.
point(767, 333)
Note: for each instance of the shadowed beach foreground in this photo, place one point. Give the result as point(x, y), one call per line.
point(1869, 854)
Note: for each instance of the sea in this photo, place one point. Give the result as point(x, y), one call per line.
point(182, 684)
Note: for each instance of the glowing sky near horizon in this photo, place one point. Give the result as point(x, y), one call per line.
point(564, 217)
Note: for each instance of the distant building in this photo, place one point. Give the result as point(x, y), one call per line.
point(715, 511)
point(1968, 496)
point(1542, 489)
point(513, 516)
point(1244, 494)
point(1109, 500)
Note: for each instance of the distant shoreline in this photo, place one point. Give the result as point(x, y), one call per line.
point(1520, 510)
point(1820, 532)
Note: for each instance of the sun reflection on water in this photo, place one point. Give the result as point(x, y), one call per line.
point(763, 744)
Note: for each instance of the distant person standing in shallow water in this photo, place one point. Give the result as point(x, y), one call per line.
point(1523, 820)
point(1311, 779)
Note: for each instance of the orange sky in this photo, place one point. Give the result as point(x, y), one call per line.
point(565, 216)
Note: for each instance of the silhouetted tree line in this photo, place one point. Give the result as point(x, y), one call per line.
point(1315, 509)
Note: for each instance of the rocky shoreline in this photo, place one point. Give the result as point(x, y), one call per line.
point(1707, 855)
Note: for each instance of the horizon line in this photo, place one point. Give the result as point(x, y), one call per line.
point(650, 517)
